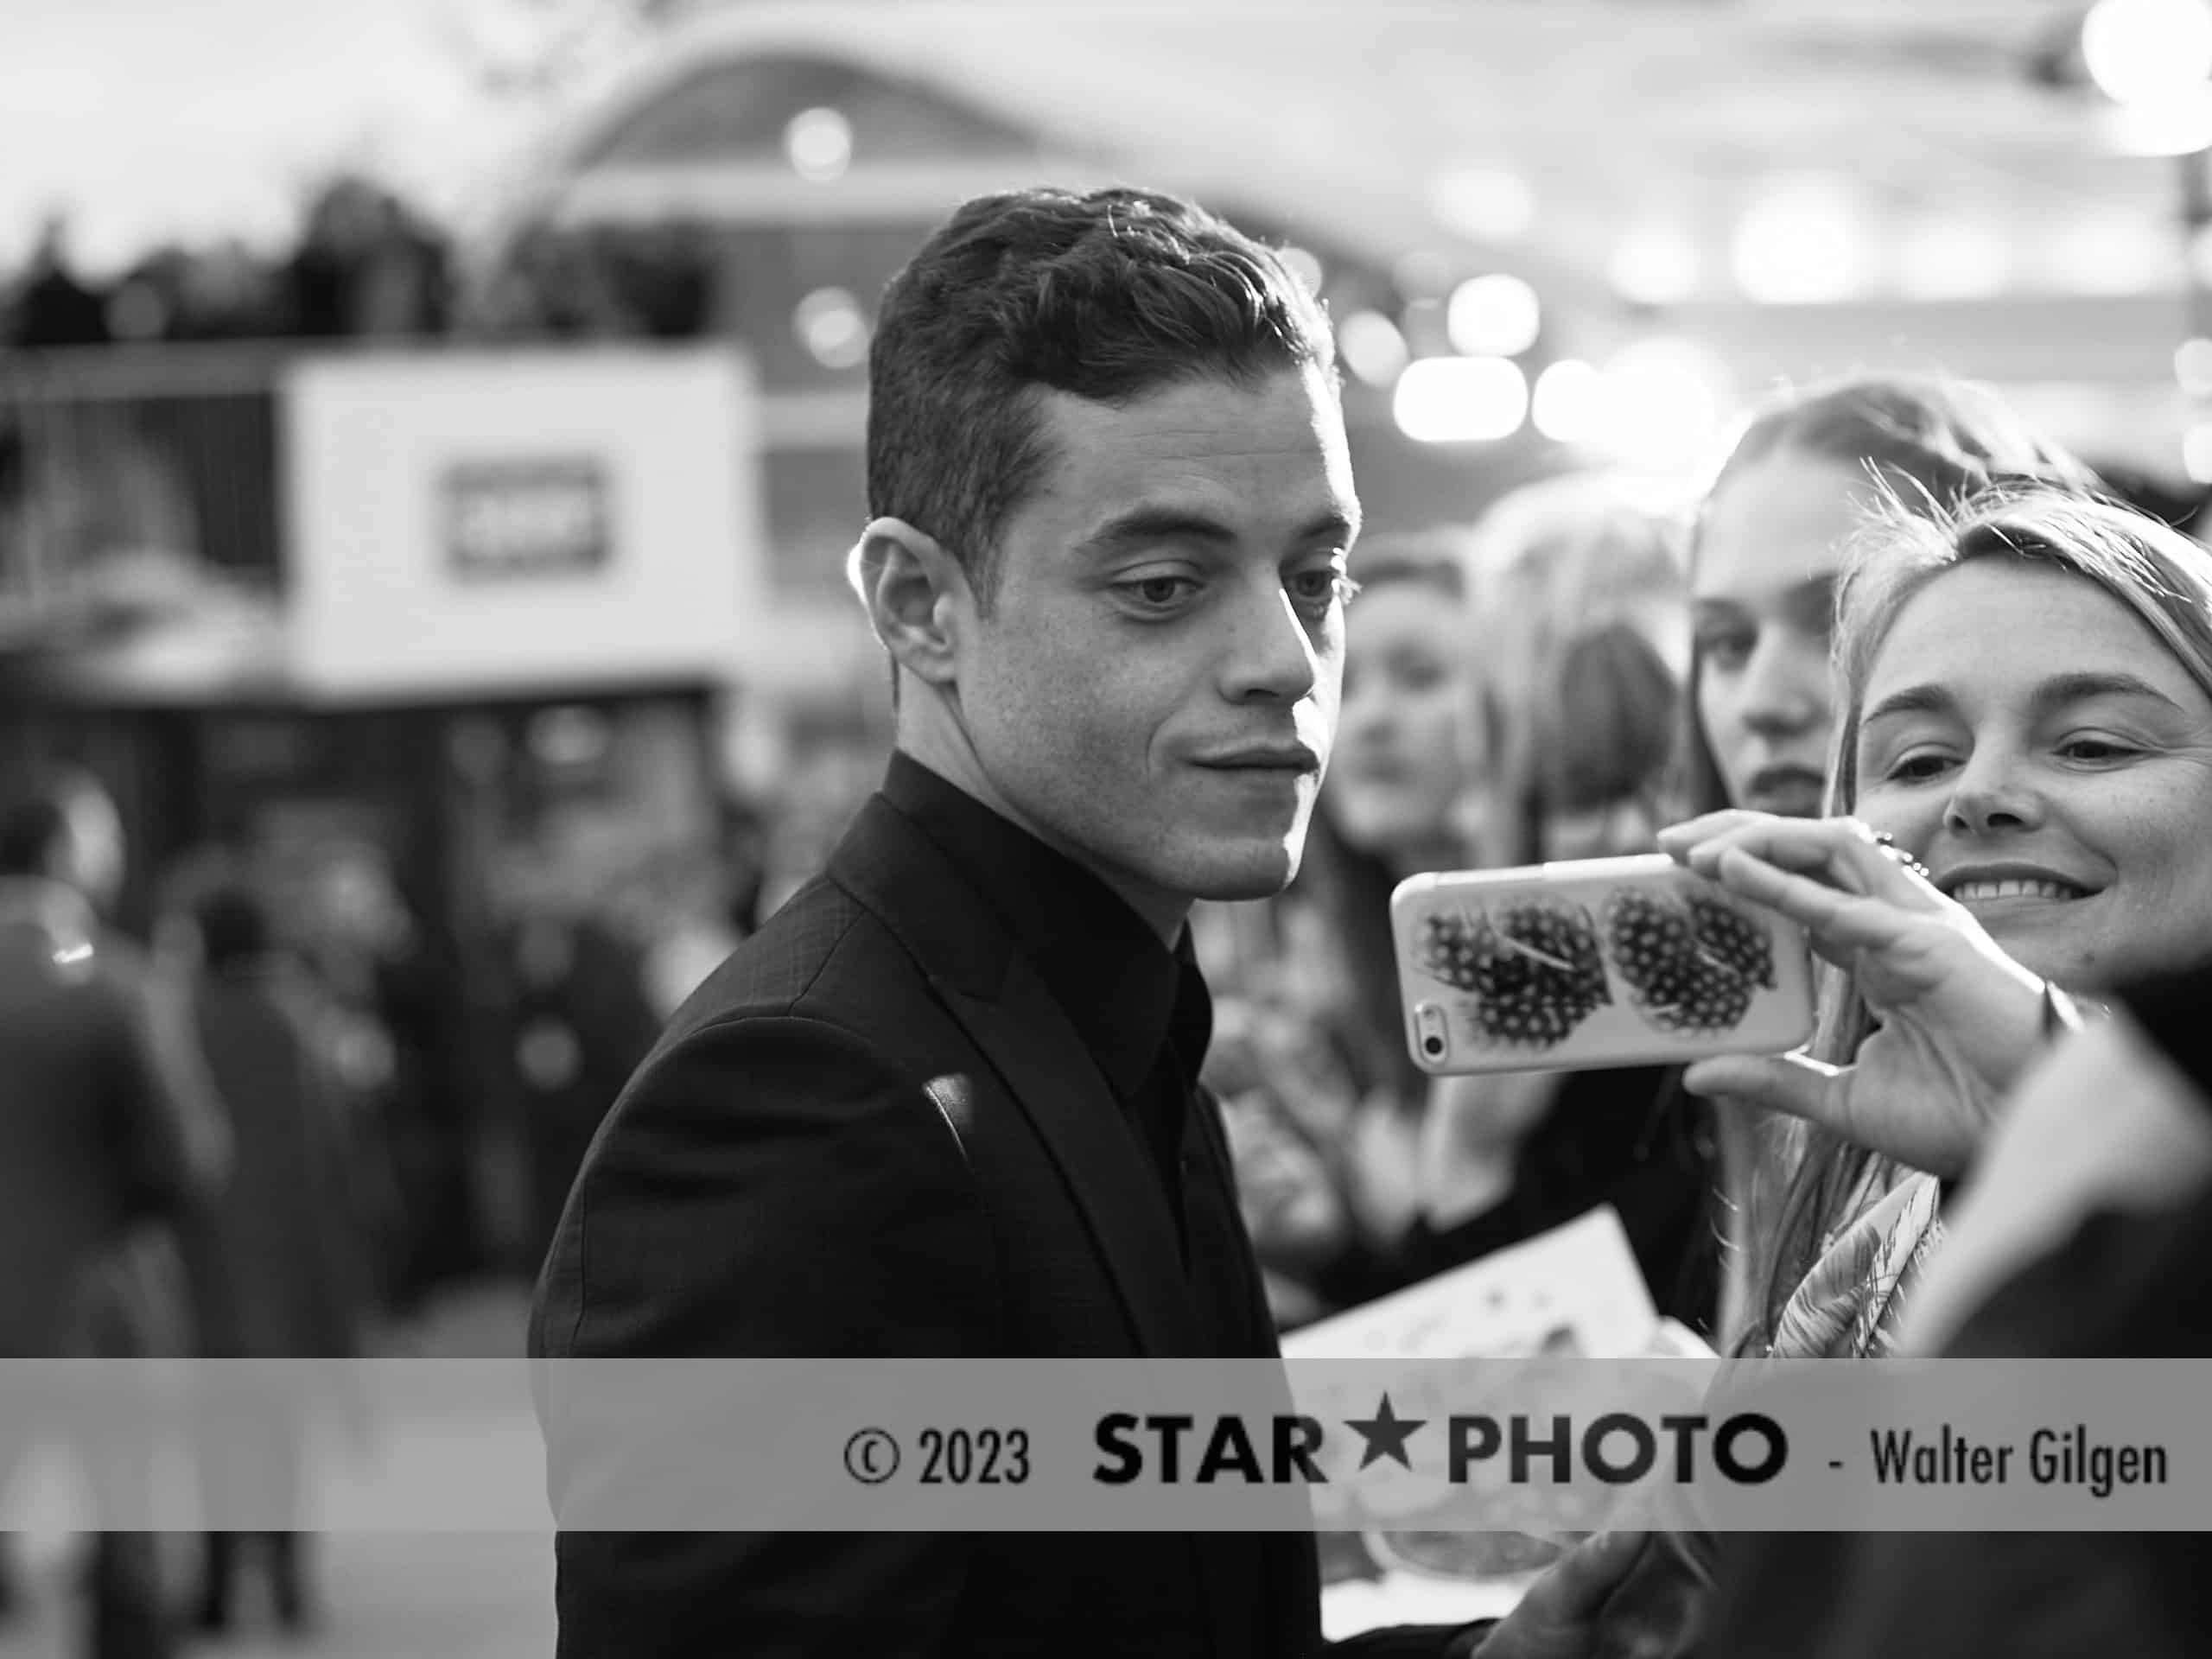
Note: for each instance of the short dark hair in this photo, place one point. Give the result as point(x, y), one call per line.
point(1108, 296)
point(30, 829)
point(233, 925)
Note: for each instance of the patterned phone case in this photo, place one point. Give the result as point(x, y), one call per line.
point(1602, 962)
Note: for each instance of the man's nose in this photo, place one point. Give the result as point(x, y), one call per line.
point(1271, 656)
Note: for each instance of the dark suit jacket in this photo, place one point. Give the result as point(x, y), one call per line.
point(873, 1131)
point(94, 1138)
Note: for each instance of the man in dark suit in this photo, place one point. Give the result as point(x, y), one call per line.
point(944, 1102)
point(104, 1141)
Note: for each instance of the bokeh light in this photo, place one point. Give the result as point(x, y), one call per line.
point(2143, 51)
point(819, 144)
point(829, 324)
point(1461, 399)
point(1569, 401)
point(1496, 316)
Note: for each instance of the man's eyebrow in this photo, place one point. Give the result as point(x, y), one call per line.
point(1333, 525)
point(1146, 526)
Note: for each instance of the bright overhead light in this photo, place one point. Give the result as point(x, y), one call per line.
point(1497, 316)
point(1569, 402)
point(2147, 51)
point(1461, 399)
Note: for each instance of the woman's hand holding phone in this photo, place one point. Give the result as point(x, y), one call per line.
point(1959, 1019)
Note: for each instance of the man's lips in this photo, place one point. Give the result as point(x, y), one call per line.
point(1291, 758)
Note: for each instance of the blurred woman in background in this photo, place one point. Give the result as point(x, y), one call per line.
point(1362, 1173)
point(1325, 1105)
point(276, 1269)
point(1770, 541)
point(1772, 535)
point(1581, 616)
point(1584, 644)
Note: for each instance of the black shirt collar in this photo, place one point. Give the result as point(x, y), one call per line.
point(1127, 993)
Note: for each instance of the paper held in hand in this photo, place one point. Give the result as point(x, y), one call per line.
point(1575, 1290)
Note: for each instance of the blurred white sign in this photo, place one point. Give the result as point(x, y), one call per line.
point(469, 523)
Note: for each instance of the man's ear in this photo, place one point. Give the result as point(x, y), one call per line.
point(917, 595)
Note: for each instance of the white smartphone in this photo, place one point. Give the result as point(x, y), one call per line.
point(1594, 963)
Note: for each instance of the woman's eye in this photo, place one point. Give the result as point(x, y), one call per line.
point(1723, 651)
point(2093, 748)
point(1916, 768)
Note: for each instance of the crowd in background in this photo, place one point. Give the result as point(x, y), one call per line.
point(365, 264)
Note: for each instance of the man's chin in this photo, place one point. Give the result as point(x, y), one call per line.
point(1236, 876)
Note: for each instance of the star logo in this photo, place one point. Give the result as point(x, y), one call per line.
point(1386, 1434)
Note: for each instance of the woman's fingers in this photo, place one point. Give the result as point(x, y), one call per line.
point(1839, 920)
point(1844, 851)
point(1789, 1084)
point(1678, 841)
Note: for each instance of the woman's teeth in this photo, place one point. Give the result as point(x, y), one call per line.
point(1970, 892)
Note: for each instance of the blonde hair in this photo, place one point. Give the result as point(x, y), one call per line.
point(2158, 573)
point(1573, 567)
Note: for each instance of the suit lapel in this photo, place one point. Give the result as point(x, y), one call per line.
point(1053, 1079)
point(1002, 1004)
point(1001, 1001)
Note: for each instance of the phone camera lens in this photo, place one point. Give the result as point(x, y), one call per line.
point(1434, 1047)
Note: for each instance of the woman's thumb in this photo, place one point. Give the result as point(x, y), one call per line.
point(1789, 1084)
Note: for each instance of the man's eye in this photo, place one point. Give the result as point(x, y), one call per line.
point(1323, 587)
point(1159, 592)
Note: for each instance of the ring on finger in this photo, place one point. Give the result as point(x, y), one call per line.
point(1888, 843)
